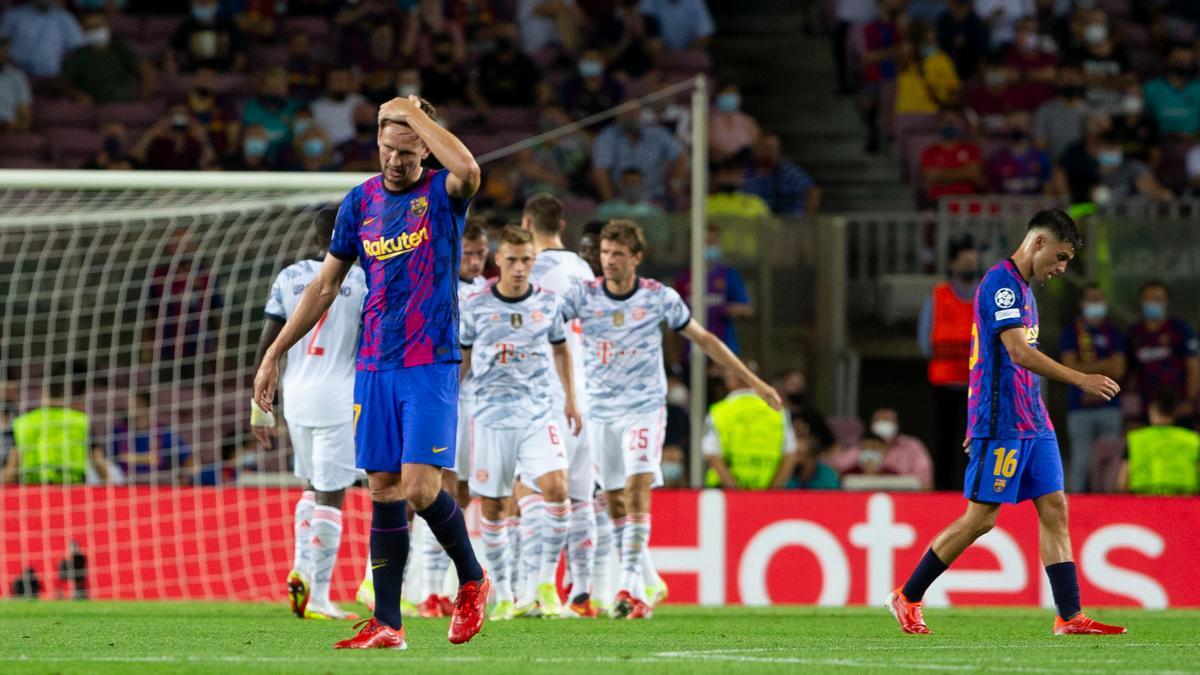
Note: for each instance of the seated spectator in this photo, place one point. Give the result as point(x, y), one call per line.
point(1096, 162)
point(16, 97)
point(1164, 353)
point(748, 445)
point(1136, 131)
point(592, 90)
point(1105, 64)
point(651, 149)
point(206, 40)
point(1060, 122)
point(272, 109)
point(727, 199)
point(1092, 344)
point(479, 18)
point(630, 40)
point(810, 474)
point(1003, 17)
point(1173, 100)
point(361, 153)
point(175, 143)
point(1163, 458)
point(927, 81)
point(52, 444)
point(304, 70)
point(105, 69)
point(1018, 167)
point(727, 300)
point(334, 112)
point(1033, 64)
point(685, 24)
point(113, 154)
point(879, 50)
point(427, 22)
point(951, 166)
point(731, 132)
point(358, 21)
point(214, 113)
point(146, 448)
point(963, 35)
point(989, 105)
point(42, 34)
point(251, 154)
point(555, 166)
point(631, 202)
point(505, 75)
point(549, 25)
point(786, 188)
point(792, 385)
point(674, 467)
point(311, 151)
point(886, 451)
point(377, 66)
point(444, 81)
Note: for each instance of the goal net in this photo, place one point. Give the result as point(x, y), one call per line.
point(137, 300)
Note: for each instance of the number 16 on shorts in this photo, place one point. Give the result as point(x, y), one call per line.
point(1013, 470)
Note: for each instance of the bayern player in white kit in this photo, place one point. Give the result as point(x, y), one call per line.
point(622, 316)
point(318, 387)
point(513, 337)
point(434, 562)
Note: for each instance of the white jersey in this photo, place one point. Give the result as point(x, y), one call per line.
point(465, 290)
point(622, 344)
point(559, 271)
point(318, 381)
point(511, 357)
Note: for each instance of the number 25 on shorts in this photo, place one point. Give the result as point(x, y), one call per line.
point(1006, 462)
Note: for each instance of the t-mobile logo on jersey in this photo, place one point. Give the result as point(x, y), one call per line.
point(608, 352)
point(506, 353)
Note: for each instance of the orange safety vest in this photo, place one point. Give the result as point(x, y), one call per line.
point(950, 337)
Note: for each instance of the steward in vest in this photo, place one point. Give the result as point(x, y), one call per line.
point(748, 445)
point(1162, 459)
point(52, 442)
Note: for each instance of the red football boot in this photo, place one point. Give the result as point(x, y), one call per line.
point(374, 635)
point(622, 605)
point(469, 609)
point(1081, 625)
point(641, 610)
point(447, 605)
point(430, 607)
point(907, 613)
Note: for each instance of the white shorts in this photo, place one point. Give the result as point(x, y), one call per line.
point(498, 455)
point(462, 459)
point(628, 447)
point(324, 456)
point(581, 467)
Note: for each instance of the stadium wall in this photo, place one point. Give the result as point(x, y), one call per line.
point(713, 547)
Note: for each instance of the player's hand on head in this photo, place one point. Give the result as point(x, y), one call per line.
point(1100, 385)
point(400, 108)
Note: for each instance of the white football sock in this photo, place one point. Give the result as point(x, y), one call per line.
point(636, 536)
point(554, 536)
point(581, 547)
point(326, 534)
point(602, 580)
point(433, 565)
point(302, 523)
point(496, 548)
point(533, 511)
point(514, 554)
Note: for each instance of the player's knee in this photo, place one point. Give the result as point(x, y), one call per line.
point(553, 486)
point(983, 523)
point(332, 498)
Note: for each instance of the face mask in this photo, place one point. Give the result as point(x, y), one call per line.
point(1095, 311)
point(205, 13)
point(950, 133)
point(1132, 105)
point(590, 68)
point(1154, 311)
point(677, 395)
point(867, 457)
point(996, 79)
point(1028, 41)
point(406, 90)
point(672, 472)
point(1109, 158)
point(179, 121)
point(928, 51)
point(314, 147)
point(729, 102)
point(97, 37)
point(1095, 33)
point(301, 125)
point(712, 253)
point(885, 429)
point(255, 147)
point(647, 117)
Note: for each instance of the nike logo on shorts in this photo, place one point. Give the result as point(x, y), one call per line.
point(437, 450)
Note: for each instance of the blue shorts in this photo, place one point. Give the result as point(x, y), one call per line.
point(1011, 471)
point(406, 416)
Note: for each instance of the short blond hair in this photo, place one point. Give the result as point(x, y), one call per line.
point(625, 232)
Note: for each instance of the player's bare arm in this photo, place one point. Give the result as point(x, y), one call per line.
point(1025, 356)
point(317, 298)
point(465, 175)
point(562, 363)
point(716, 350)
point(271, 329)
point(464, 368)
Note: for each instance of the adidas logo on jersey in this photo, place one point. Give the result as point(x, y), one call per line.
point(390, 247)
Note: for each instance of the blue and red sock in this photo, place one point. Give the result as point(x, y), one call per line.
point(389, 554)
point(446, 521)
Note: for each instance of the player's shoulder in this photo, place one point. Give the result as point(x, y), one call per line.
point(357, 275)
point(652, 285)
point(300, 268)
point(482, 293)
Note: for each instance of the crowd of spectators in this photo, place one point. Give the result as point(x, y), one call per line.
point(294, 86)
point(1087, 100)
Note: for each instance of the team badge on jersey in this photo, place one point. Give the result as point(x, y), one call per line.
point(618, 319)
point(419, 206)
point(639, 313)
point(516, 320)
point(999, 485)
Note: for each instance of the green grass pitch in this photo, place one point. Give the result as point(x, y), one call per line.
point(79, 637)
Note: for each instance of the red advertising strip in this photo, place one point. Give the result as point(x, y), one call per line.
point(713, 547)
